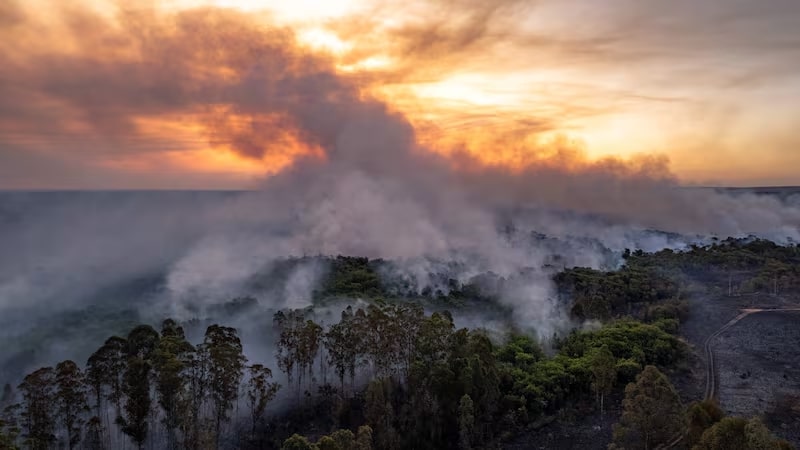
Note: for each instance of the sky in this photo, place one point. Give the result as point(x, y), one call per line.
point(218, 94)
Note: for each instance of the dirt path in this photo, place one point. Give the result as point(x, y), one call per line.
point(711, 391)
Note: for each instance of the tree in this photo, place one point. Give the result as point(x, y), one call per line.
point(94, 434)
point(297, 442)
point(736, 433)
point(71, 399)
point(466, 420)
point(171, 358)
point(106, 368)
point(141, 344)
point(364, 438)
point(287, 349)
point(39, 394)
point(225, 368)
point(604, 373)
point(137, 407)
point(652, 412)
point(309, 337)
point(327, 443)
point(9, 429)
point(379, 413)
point(198, 373)
point(700, 416)
point(344, 439)
point(343, 344)
point(259, 392)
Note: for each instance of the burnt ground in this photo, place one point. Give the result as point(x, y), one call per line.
point(759, 370)
point(758, 359)
point(580, 427)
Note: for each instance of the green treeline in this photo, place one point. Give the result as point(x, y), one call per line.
point(413, 378)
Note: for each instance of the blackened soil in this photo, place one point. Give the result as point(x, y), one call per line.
point(759, 370)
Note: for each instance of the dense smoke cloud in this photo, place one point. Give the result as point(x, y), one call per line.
point(359, 181)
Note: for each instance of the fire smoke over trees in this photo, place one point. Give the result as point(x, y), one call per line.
point(350, 174)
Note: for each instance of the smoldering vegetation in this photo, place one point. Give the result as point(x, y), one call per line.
point(449, 232)
point(80, 264)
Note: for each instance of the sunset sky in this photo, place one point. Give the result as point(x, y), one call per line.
point(161, 94)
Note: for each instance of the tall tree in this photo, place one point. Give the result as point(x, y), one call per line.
point(342, 343)
point(736, 433)
point(309, 337)
point(379, 413)
point(260, 391)
point(137, 407)
point(604, 373)
point(171, 359)
point(94, 434)
point(38, 421)
point(700, 416)
point(104, 373)
point(652, 412)
point(466, 422)
point(225, 369)
point(141, 344)
point(364, 438)
point(9, 427)
point(287, 346)
point(71, 400)
point(198, 373)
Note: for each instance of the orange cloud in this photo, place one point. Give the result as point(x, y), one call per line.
point(124, 85)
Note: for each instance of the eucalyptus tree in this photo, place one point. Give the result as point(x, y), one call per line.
point(171, 360)
point(604, 373)
point(38, 391)
point(71, 400)
point(104, 373)
point(226, 364)
point(141, 343)
point(260, 391)
point(309, 338)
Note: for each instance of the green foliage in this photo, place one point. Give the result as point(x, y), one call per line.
point(735, 266)
point(700, 416)
point(136, 387)
point(736, 433)
point(364, 438)
point(352, 277)
point(627, 369)
point(226, 364)
point(604, 295)
point(171, 358)
point(297, 442)
point(628, 339)
point(604, 372)
point(652, 412)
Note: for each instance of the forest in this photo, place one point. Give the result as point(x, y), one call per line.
point(395, 373)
